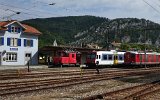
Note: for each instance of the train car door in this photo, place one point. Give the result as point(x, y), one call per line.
point(72, 58)
point(115, 59)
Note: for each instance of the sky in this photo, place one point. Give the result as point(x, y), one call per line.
point(31, 9)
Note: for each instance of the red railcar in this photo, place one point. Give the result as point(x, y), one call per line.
point(91, 59)
point(139, 58)
point(67, 58)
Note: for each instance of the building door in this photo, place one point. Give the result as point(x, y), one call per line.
point(28, 58)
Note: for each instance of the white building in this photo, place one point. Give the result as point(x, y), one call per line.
point(18, 43)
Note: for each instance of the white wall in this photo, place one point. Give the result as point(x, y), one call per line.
point(21, 49)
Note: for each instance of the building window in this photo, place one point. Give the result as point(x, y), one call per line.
point(13, 42)
point(28, 43)
point(1, 40)
point(15, 29)
point(11, 56)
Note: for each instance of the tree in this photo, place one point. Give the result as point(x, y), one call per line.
point(125, 46)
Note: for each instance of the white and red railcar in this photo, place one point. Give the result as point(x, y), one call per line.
point(141, 58)
point(104, 58)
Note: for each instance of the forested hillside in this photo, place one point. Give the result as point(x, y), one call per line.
point(62, 29)
point(77, 30)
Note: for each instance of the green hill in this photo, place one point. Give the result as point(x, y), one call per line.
point(62, 29)
point(77, 30)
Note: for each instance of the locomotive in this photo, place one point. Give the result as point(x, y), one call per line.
point(104, 58)
point(67, 58)
point(134, 58)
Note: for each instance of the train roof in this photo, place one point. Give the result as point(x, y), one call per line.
point(120, 52)
point(112, 51)
point(136, 52)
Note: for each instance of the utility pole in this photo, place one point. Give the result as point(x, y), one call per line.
point(146, 24)
point(108, 37)
point(28, 63)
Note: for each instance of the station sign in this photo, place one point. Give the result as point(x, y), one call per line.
point(13, 49)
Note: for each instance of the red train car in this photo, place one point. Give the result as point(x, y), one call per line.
point(141, 58)
point(67, 58)
point(90, 59)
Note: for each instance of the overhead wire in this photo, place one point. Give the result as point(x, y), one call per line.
point(21, 9)
point(9, 15)
point(6, 15)
point(151, 6)
point(159, 3)
point(46, 4)
point(31, 10)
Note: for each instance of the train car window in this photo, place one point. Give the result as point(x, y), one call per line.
point(109, 57)
point(93, 56)
point(152, 58)
point(104, 57)
point(72, 55)
point(88, 56)
point(65, 55)
point(140, 57)
point(120, 57)
point(132, 55)
point(157, 58)
point(99, 56)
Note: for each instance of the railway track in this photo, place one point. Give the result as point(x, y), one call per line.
point(41, 74)
point(32, 86)
point(131, 93)
point(24, 75)
point(49, 74)
point(55, 75)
